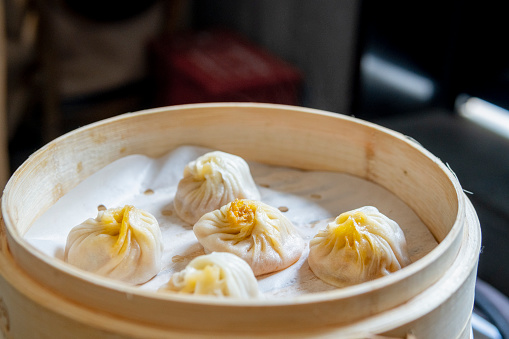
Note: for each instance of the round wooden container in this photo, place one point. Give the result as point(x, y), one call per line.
point(41, 296)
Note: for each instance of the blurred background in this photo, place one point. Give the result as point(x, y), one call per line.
point(437, 71)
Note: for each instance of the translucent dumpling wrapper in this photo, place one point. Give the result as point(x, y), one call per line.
point(120, 243)
point(211, 181)
point(215, 274)
point(358, 246)
point(256, 232)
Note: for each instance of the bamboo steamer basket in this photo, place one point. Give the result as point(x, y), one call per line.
point(43, 297)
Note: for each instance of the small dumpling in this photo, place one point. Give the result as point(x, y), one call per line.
point(216, 274)
point(358, 246)
point(256, 232)
point(120, 243)
point(211, 181)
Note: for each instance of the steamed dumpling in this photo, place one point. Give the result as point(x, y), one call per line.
point(212, 181)
point(254, 231)
point(216, 274)
point(358, 246)
point(120, 243)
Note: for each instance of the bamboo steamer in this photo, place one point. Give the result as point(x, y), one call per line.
point(43, 297)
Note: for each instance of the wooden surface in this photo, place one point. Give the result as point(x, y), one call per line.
point(279, 135)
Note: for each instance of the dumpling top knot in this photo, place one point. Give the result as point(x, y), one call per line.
point(116, 223)
point(207, 167)
point(349, 229)
point(247, 219)
point(242, 213)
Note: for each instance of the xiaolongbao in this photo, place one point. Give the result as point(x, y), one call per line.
point(212, 181)
point(120, 243)
point(358, 246)
point(254, 231)
point(217, 274)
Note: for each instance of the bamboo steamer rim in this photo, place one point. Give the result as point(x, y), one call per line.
point(450, 294)
point(448, 246)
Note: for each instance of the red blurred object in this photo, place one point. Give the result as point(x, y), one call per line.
point(220, 66)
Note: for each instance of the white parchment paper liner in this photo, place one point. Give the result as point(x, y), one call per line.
point(311, 198)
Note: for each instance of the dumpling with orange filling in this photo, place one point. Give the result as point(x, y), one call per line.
point(120, 243)
point(254, 231)
point(358, 246)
